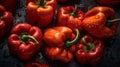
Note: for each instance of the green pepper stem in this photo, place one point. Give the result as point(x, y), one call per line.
point(114, 20)
point(25, 38)
point(109, 22)
point(73, 13)
point(41, 3)
point(88, 46)
point(70, 43)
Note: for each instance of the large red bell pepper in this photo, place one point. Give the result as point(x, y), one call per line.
point(6, 21)
point(89, 50)
point(9, 5)
point(41, 12)
point(108, 2)
point(71, 17)
point(100, 22)
point(58, 44)
point(25, 41)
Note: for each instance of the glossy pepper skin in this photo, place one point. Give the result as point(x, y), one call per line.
point(89, 50)
point(6, 21)
point(25, 41)
point(57, 47)
point(71, 17)
point(10, 5)
point(96, 22)
point(35, 64)
point(41, 12)
point(108, 2)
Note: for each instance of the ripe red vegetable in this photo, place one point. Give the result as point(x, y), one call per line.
point(25, 41)
point(89, 50)
point(6, 21)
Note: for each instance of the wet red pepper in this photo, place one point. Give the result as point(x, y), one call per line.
point(101, 22)
point(6, 21)
point(89, 50)
point(25, 41)
point(58, 44)
point(70, 16)
point(41, 12)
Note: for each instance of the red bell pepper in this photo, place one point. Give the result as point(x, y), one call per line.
point(6, 21)
point(58, 44)
point(10, 5)
point(89, 50)
point(41, 12)
point(108, 2)
point(35, 64)
point(71, 17)
point(25, 41)
point(101, 22)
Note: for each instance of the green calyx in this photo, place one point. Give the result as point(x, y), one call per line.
point(74, 11)
point(25, 38)
point(74, 41)
point(88, 46)
point(41, 3)
point(110, 22)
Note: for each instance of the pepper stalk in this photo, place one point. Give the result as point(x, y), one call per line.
point(25, 37)
point(109, 22)
point(88, 46)
point(41, 3)
point(70, 43)
point(74, 11)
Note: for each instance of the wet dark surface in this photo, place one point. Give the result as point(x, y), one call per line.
point(110, 58)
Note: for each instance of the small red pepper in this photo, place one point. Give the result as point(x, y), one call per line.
point(89, 50)
point(25, 40)
point(10, 5)
point(71, 17)
point(6, 21)
point(41, 12)
point(100, 22)
point(108, 2)
point(58, 44)
point(35, 64)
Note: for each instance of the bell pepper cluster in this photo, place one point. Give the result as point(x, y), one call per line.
point(100, 22)
point(62, 41)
